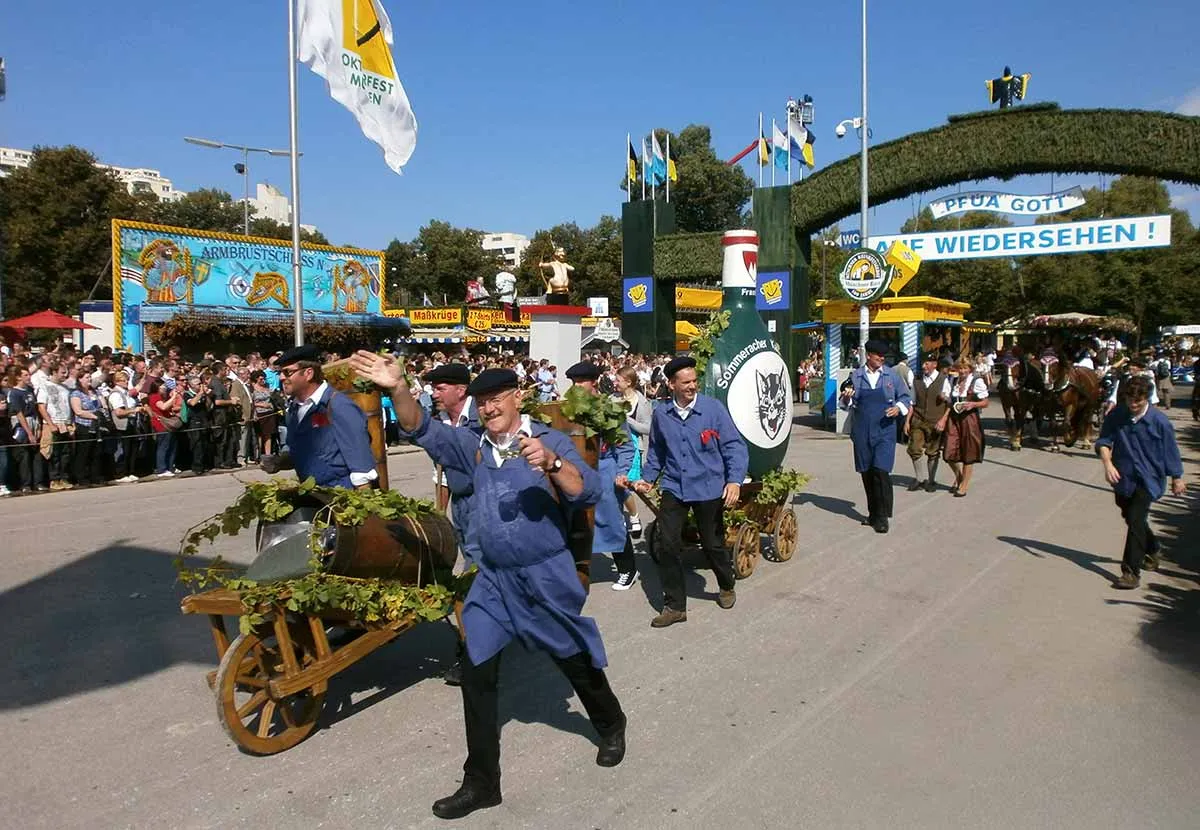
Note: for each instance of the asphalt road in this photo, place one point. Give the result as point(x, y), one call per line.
point(973, 668)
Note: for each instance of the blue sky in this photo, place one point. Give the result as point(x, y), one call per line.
point(524, 105)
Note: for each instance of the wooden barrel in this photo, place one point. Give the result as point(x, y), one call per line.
point(371, 403)
point(583, 522)
point(407, 550)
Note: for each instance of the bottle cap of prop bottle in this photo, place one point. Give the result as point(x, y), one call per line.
point(740, 266)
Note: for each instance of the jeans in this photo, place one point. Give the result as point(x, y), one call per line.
point(60, 456)
point(710, 523)
point(85, 456)
point(3, 466)
point(164, 451)
point(31, 466)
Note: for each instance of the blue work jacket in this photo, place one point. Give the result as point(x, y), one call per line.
point(331, 441)
point(615, 460)
point(698, 456)
point(1145, 453)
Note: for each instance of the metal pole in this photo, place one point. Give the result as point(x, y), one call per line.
point(246, 190)
point(864, 313)
point(293, 111)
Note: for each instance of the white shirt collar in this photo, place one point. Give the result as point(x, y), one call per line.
point(684, 411)
point(931, 377)
point(312, 400)
point(464, 415)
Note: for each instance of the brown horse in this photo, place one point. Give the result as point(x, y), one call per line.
point(1011, 373)
point(1072, 393)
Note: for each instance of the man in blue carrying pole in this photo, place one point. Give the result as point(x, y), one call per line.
point(526, 479)
point(876, 396)
point(610, 534)
point(702, 460)
point(327, 432)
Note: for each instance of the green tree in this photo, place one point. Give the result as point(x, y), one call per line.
point(594, 252)
point(709, 196)
point(56, 230)
point(270, 229)
point(444, 259)
point(206, 209)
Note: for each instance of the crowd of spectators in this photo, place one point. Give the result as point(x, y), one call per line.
point(73, 419)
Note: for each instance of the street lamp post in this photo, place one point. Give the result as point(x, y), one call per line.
point(864, 313)
point(242, 167)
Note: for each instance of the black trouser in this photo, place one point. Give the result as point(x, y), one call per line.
point(129, 453)
point(85, 456)
point(199, 432)
point(709, 521)
point(624, 559)
point(481, 711)
point(1140, 541)
point(60, 456)
point(878, 485)
point(226, 434)
point(30, 464)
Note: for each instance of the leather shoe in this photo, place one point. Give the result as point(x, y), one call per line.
point(915, 486)
point(1126, 582)
point(453, 675)
point(726, 599)
point(465, 801)
point(930, 486)
point(1150, 563)
point(612, 746)
point(669, 616)
point(881, 526)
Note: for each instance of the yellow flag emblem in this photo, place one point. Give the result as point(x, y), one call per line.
point(637, 295)
point(363, 36)
point(772, 291)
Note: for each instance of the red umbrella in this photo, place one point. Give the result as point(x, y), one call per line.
point(48, 319)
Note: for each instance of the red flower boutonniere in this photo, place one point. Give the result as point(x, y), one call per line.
point(319, 419)
point(708, 435)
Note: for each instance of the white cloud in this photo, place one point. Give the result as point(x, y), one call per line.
point(1190, 104)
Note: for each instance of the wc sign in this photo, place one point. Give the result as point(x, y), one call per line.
point(849, 240)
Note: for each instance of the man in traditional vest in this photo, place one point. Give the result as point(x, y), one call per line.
point(924, 439)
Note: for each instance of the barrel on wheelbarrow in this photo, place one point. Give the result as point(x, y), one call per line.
point(582, 522)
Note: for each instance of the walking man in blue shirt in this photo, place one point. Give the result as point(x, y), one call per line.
point(702, 460)
point(526, 478)
point(1137, 446)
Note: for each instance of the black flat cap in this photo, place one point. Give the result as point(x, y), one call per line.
point(929, 356)
point(308, 353)
point(584, 370)
point(492, 380)
point(678, 364)
point(877, 347)
point(903, 356)
point(456, 373)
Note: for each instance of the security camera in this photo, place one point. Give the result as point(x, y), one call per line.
point(841, 130)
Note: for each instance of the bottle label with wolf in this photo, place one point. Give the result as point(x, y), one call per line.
point(746, 372)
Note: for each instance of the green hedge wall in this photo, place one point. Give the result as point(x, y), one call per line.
point(688, 256)
point(1002, 144)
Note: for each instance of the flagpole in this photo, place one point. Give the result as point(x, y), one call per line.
point(774, 129)
point(789, 147)
point(293, 114)
point(759, 154)
point(642, 161)
point(668, 168)
point(628, 184)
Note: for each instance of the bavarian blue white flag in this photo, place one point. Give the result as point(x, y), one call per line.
point(348, 43)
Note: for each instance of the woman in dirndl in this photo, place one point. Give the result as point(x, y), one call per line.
point(962, 428)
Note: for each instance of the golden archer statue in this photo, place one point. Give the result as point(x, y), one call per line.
point(558, 286)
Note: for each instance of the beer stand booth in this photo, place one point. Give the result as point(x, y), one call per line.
point(907, 324)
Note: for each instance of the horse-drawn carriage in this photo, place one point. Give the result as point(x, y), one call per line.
point(1039, 381)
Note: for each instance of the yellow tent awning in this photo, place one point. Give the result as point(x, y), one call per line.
point(685, 329)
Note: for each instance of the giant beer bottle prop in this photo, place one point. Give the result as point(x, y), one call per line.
point(746, 372)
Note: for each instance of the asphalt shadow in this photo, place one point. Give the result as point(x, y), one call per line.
point(1087, 561)
point(829, 504)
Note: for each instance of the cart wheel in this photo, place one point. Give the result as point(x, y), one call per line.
point(745, 550)
point(653, 536)
point(258, 724)
point(785, 535)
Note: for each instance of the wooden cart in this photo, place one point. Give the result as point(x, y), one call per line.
point(270, 686)
point(744, 539)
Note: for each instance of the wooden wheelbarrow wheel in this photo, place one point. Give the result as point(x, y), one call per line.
point(258, 724)
point(784, 537)
point(746, 549)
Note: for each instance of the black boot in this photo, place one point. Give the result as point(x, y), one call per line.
point(466, 800)
point(612, 746)
point(453, 675)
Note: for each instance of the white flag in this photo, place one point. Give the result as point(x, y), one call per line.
point(348, 43)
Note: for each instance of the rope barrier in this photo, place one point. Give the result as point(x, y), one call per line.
point(121, 436)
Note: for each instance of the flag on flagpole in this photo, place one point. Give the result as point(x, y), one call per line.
point(654, 168)
point(660, 159)
point(801, 141)
point(425, 301)
point(672, 169)
point(764, 155)
point(645, 169)
point(348, 43)
point(631, 171)
point(779, 146)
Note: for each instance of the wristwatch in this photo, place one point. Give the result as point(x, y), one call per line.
point(557, 465)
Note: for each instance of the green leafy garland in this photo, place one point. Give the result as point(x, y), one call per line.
point(318, 592)
point(775, 487)
point(597, 414)
point(703, 346)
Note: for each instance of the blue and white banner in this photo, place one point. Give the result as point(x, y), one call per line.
point(1030, 240)
point(986, 200)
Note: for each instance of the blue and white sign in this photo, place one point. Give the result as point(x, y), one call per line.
point(638, 294)
point(1032, 240)
point(773, 291)
point(985, 200)
point(850, 240)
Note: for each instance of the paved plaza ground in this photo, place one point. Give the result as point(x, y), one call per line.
point(973, 668)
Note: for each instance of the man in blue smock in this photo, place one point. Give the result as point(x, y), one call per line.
point(702, 460)
point(877, 396)
point(1137, 445)
point(525, 477)
point(453, 488)
point(610, 535)
point(327, 432)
